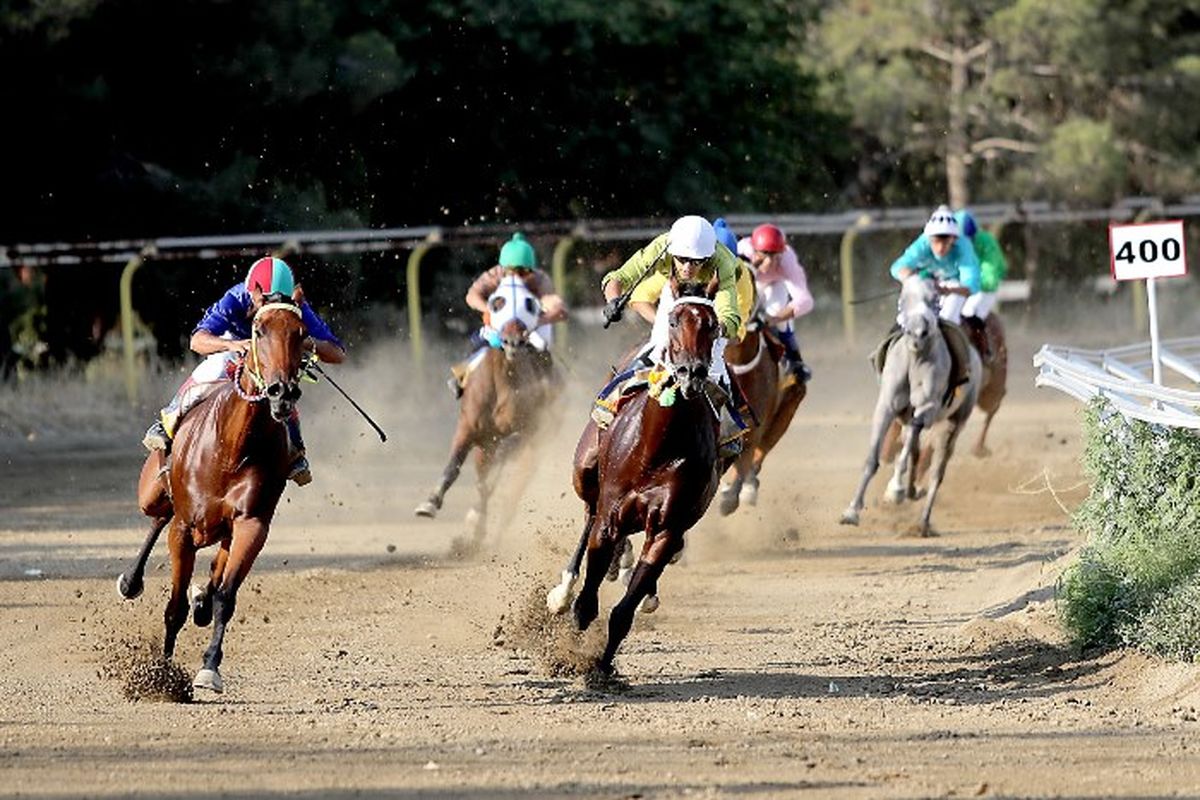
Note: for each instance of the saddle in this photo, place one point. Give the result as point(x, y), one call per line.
point(956, 342)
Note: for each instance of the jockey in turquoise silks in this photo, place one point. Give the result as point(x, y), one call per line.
point(941, 253)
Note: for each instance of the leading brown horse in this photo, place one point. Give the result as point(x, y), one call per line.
point(222, 482)
point(505, 398)
point(653, 470)
point(773, 397)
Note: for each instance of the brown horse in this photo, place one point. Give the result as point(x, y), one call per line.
point(653, 470)
point(223, 480)
point(503, 402)
point(773, 397)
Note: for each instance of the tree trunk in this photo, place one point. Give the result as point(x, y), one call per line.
point(956, 135)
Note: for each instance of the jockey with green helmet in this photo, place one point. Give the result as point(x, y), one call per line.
point(519, 259)
point(223, 335)
point(992, 269)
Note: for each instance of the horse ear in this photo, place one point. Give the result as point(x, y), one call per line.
point(256, 296)
point(674, 285)
point(298, 295)
point(710, 291)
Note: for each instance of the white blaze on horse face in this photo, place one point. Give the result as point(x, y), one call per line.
point(512, 300)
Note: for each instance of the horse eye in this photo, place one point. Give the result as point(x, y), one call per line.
point(498, 303)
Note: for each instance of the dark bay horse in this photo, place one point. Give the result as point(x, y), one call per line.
point(653, 470)
point(773, 397)
point(505, 398)
point(223, 479)
point(994, 383)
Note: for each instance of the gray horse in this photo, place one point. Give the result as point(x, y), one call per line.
point(915, 387)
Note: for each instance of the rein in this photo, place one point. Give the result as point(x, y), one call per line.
point(255, 371)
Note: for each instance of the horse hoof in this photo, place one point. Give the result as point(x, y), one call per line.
point(894, 496)
point(427, 509)
point(982, 451)
point(475, 523)
point(729, 502)
point(650, 604)
point(209, 679)
point(585, 612)
point(749, 494)
point(558, 599)
point(128, 588)
point(849, 517)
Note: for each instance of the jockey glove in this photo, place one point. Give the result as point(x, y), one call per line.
point(613, 310)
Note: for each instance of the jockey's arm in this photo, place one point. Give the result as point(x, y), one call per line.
point(476, 300)
point(553, 309)
point(329, 352)
point(206, 343)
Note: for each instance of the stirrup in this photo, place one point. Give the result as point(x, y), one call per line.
point(301, 473)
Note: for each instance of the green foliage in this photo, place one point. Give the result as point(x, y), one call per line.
point(1142, 558)
point(1082, 162)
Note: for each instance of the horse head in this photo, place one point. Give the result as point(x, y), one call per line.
point(513, 311)
point(277, 350)
point(692, 328)
point(918, 312)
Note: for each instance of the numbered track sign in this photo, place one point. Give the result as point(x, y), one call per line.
point(1147, 250)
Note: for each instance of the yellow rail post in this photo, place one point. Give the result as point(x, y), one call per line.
point(558, 273)
point(413, 275)
point(126, 298)
point(847, 259)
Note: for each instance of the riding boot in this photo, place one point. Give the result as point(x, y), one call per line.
point(791, 355)
point(160, 435)
point(300, 471)
point(977, 331)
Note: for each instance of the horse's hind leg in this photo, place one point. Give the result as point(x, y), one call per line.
point(248, 538)
point(981, 449)
point(731, 492)
point(156, 503)
point(645, 578)
point(183, 560)
point(903, 482)
point(558, 599)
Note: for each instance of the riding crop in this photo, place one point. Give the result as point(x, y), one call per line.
point(316, 366)
point(623, 299)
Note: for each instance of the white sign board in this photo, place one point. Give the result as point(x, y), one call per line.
point(1147, 250)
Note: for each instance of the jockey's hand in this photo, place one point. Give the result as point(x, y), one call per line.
point(239, 346)
point(951, 289)
point(613, 310)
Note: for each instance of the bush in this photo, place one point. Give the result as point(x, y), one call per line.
point(1140, 567)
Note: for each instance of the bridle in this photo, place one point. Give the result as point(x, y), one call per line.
point(254, 370)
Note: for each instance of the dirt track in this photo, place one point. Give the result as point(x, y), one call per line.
point(791, 655)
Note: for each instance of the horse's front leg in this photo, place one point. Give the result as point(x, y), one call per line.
point(903, 482)
point(943, 448)
point(645, 579)
point(154, 502)
point(486, 463)
point(183, 560)
point(249, 536)
point(201, 598)
point(601, 544)
point(558, 599)
point(458, 454)
point(884, 414)
point(731, 491)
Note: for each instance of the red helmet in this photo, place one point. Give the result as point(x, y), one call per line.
point(768, 239)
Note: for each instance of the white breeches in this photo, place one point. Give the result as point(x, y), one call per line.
point(979, 305)
point(660, 336)
point(212, 368)
point(775, 299)
point(952, 304)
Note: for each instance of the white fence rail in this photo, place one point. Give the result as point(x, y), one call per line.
point(1121, 375)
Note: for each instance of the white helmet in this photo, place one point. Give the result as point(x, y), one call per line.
point(692, 237)
point(942, 223)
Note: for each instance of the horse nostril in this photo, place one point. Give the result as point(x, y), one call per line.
point(275, 390)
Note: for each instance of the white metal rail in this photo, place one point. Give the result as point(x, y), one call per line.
point(1121, 375)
